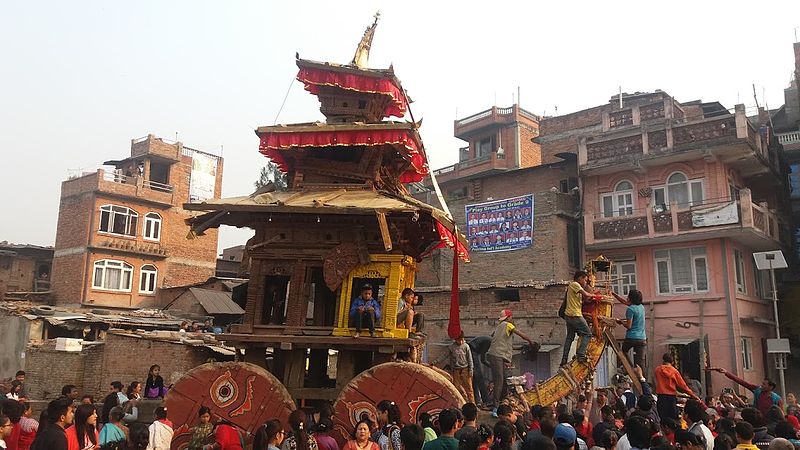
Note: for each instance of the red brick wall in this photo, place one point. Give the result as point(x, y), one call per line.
point(531, 152)
point(48, 370)
point(187, 260)
point(560, 134)
point(535, 314)
point(546, 259)
point(119, 358)
point(128, 359)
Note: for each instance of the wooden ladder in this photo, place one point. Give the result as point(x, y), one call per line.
point(623, 358)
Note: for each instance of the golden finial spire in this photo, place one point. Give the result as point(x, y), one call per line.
point(361, 58)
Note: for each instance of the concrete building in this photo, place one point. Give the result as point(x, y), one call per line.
point(229, 263)
point(679, 196)
point(121, 232)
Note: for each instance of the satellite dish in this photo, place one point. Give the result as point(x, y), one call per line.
point(500, 151)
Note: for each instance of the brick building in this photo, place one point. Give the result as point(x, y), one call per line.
point(121, 232)
point(24, 268)
point(679, 196)
point(502, 161)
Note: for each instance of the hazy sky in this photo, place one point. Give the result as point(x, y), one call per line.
point(80, 79)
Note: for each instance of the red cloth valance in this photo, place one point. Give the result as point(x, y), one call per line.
point(314, 78)
point(272, 145)
point(450, 240)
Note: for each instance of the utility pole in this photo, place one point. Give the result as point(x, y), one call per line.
point(780, 358)
point(779, 347)
point(702, 351)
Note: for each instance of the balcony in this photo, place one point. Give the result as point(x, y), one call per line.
point(156, 146)
point(731, 138)
point(117, 184)
point(470, 168)
point(465, 127)
point(130, 246)
point(753, 225)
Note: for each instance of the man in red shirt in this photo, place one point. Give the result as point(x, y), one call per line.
point(764, 396)
point(668, 382)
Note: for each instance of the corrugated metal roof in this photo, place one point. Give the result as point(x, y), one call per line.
point(216, 302)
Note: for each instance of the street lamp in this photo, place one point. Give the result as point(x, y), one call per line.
point(779, 347)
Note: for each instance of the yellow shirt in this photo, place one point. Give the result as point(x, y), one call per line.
point(574, 300)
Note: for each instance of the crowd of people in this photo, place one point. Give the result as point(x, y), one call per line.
point(75, 422)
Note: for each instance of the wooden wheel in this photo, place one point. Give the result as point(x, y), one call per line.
point(415, 388)
point(244, 394)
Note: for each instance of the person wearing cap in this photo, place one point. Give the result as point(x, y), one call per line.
point(573, 315)
point(565, 436)
point(459, 358)
point(500, 353)
point(365, 310)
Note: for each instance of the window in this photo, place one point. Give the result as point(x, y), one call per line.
point(147, 279)
point(118, 220)
point(152, 227)
point(681, 270)
point(763, 282)
point(747, 353)
point(680, 190)
point(574, 244)
point(483, 147)
point(112, 275)
point(624, 274)
point(463, 154)
point(568, 184)
point(457, 194)
point(620, 202)
point(739, 263)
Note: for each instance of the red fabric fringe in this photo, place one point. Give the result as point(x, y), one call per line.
point(272, 145)
point(314, 78)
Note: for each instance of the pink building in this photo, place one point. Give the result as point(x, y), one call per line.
point(679, 196)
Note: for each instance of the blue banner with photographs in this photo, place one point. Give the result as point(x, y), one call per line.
point(501, 225)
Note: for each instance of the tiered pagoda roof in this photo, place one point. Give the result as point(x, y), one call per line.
point(354, 151)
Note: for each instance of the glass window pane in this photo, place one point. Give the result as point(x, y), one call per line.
point(700, 273)
point(697, 193)
point(680, 263)
point(659, 196)
point(112, 279)
point(126, 280)
point(624, 186)
point(663, 276)
point(105, 220)
point(608, 206)
point(98, 277)
point(676, 177)
point(679, 193)
point(133, 225)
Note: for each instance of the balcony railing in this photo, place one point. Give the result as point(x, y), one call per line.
point(684, 219)
point(639, 143)
point(117, 183)
point(490, 160)
point(791, 137)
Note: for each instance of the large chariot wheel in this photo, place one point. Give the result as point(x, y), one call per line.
point(244, 394)
point(414, 387)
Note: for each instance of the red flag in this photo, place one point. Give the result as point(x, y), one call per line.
point(454, 326)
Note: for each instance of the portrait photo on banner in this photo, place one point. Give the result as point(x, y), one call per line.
point(500, 225)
